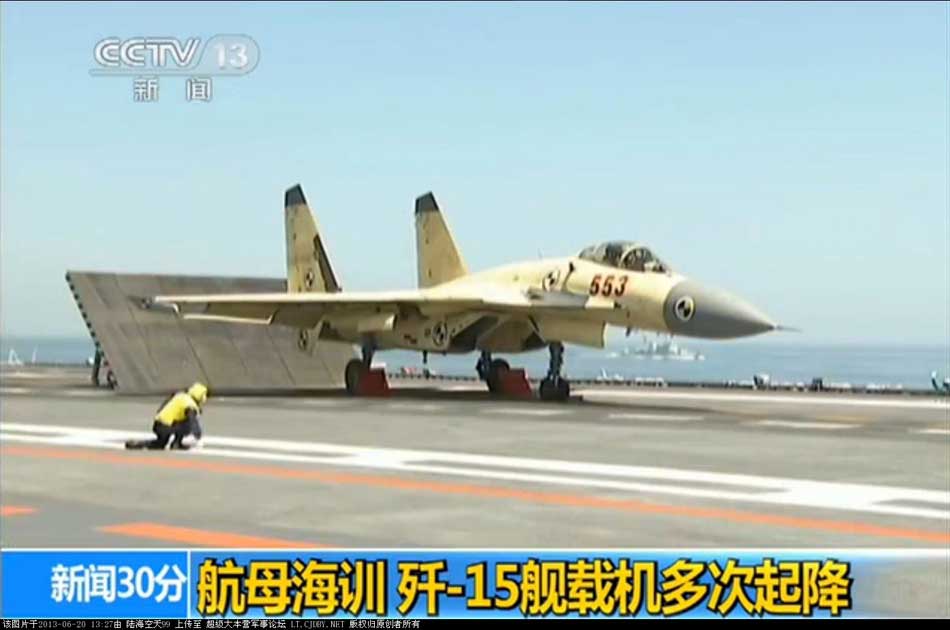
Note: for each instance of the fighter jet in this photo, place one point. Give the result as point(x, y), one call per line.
point(510, 309)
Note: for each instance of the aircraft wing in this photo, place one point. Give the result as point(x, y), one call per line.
point(304, 310)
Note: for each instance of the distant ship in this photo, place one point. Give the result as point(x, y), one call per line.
point(662, 350)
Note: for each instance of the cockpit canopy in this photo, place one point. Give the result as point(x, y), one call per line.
point(624, 255)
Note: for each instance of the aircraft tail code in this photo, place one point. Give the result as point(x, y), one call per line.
point(308, 266)
point(438, 257)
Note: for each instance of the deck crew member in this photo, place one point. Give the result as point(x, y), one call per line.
point(177, 418)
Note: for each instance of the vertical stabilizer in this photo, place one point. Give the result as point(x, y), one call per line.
point(437, 256)
point(308, 266)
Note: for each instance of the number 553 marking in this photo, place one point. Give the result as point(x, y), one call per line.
point(609, 286)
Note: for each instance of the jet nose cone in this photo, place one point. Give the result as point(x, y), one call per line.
point(697, 311)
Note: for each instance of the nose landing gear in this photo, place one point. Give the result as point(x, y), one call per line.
point(555, 387)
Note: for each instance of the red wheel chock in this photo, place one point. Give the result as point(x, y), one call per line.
point(514, 384)
point(373, 383)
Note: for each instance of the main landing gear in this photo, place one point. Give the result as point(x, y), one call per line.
point(491, 371)
point(356, 369)
point(554, 386)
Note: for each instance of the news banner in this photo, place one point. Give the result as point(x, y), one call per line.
point(172, 589)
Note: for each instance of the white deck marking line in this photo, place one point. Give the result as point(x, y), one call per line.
point(635, 479)
point(845, 401)
point(15, 390)
point(653, 416)
point(795, 424)
point(933, 431)
point(525, 411)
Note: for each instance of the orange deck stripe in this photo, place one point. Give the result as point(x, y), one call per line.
point(495, 492)
point(15, 510)
point(201, 537)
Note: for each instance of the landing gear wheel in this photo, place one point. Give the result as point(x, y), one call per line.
point(555, 389)
point(496, 372)
point(352, 376)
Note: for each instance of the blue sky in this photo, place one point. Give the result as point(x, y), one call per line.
point(796, 154)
